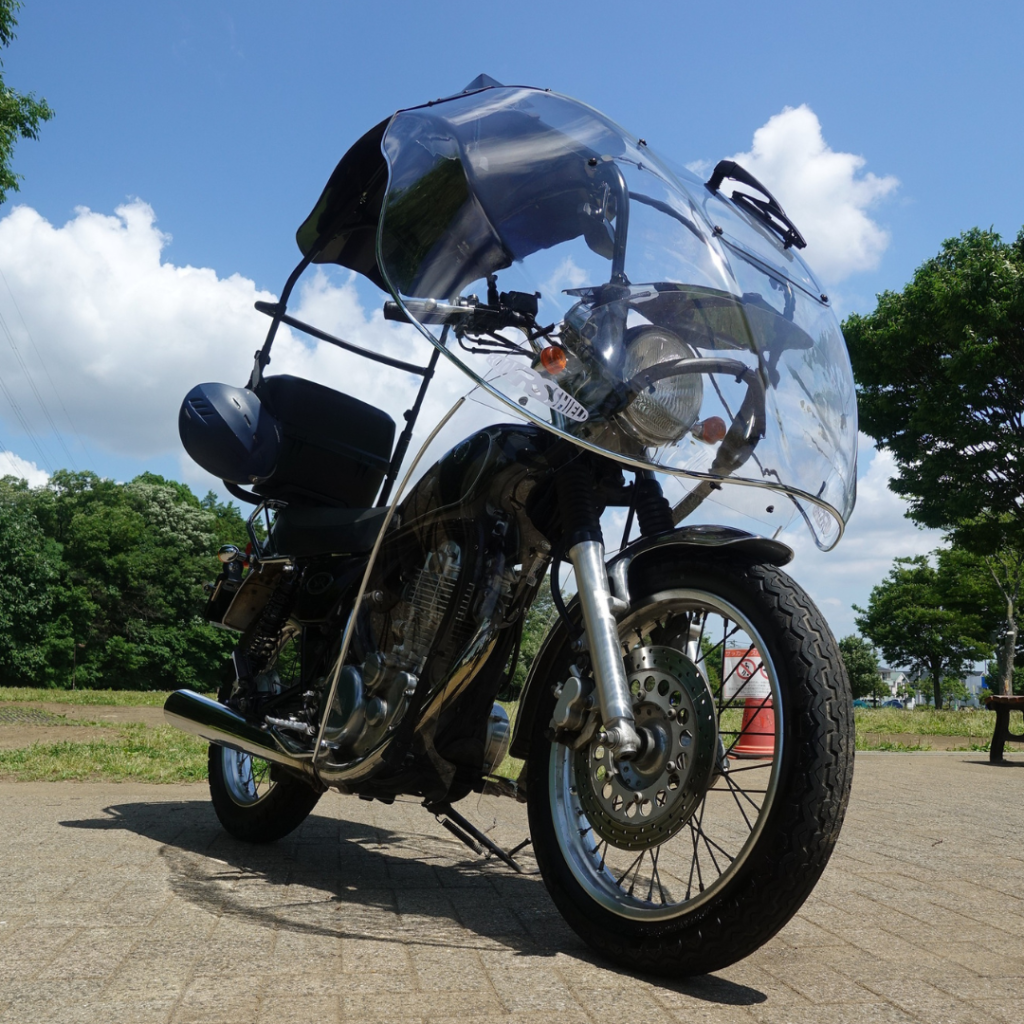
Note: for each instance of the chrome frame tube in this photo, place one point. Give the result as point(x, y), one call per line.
point(614, 697)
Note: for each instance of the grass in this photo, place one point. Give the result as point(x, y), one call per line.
point(135, 753)
point(925, 721)
point(889, 746)
point(118, 698)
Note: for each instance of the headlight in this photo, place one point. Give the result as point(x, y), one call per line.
point(666, 414)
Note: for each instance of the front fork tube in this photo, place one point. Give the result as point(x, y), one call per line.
point(613, 693)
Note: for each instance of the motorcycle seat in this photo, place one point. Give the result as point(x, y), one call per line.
point(301, 531)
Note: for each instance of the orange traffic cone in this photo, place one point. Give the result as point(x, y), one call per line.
point(746, 678)
point(757, 734)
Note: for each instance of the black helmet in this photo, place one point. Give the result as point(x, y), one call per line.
point(229, 433)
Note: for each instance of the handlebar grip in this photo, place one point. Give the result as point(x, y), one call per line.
point(393, 311)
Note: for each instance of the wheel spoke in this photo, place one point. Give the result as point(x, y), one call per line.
point(712, 846)
point(735, 790)
point(731, 702)
point(650, 865)
point(695, 863)
point(721, 643)
point(636, 865)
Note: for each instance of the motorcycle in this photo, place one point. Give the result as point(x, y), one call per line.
point(686, 726)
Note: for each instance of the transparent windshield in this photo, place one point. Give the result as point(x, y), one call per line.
point(624, 306)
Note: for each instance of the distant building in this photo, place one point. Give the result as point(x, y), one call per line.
point(896, 681)
point(975, 684)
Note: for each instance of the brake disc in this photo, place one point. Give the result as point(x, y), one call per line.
point(637, 804)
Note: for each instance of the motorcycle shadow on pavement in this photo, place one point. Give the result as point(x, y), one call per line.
point(360, 880)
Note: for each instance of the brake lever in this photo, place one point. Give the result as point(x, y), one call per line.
point(426, 311)
point(510, 309)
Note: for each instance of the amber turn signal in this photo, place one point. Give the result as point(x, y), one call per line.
point(711, 430)
point(553, 360)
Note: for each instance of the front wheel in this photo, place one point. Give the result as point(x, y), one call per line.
point(694, 856)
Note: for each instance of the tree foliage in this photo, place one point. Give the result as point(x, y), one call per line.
point(861, 661)
point(116, 567)
point(916, 619)
point(940, 369)
point(940, 374)
point(21, 114)
point(539, 619)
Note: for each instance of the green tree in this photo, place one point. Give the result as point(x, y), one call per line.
point(29, 568)
point(940, 374)
point(861, 661)
point(118, 568)
point(989, 586)
point(539, 618)
point(914, 621)
point(21, 114)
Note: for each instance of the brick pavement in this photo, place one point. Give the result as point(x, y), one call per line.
point(127, 903)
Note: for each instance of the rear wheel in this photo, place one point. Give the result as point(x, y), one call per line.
point(693, 857)
point(255, 801)
point(250, 802)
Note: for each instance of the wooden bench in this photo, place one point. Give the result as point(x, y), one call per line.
point(1002, 706)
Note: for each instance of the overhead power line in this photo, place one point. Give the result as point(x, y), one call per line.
point(35, 390)
point(46, 369)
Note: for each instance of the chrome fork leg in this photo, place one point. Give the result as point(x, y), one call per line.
point(613, 693)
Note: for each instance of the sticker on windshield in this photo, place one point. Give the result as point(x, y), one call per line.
point(537, 386)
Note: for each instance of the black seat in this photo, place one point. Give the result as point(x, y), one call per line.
point(301, 530)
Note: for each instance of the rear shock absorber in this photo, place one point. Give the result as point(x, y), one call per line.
point(261, 642)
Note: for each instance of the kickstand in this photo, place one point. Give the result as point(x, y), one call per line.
point(466, 832)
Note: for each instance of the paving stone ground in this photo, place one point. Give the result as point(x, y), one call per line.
point(127, 903)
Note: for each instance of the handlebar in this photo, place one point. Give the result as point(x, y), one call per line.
point(426, 311)
point(510, 309)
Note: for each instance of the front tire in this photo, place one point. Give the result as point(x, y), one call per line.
point(706, 880)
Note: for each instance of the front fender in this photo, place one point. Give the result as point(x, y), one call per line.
point(626, 573)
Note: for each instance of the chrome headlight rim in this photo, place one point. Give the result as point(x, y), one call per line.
point(686, 390)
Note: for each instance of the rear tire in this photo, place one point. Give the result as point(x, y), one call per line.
point(250, 804)
point(712, 877)
point(255, 801)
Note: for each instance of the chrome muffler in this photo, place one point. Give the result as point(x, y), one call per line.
point(193, 713)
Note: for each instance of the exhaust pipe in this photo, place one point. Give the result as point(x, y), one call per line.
point(193, 713)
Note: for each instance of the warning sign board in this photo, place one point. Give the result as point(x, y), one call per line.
point(744, 675)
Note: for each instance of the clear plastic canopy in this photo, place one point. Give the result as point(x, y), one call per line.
point(619, 304)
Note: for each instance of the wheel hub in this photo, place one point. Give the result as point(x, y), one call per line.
point(637, 804)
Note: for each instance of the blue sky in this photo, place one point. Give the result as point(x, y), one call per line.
point(217, 124)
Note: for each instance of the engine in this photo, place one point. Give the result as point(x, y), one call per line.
point(372, 698)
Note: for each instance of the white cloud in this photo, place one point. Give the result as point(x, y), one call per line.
point(122, 333)
point(125, 334)
point(567, 275)
point(14, 465)
point(878, 532)
point(823, 191)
